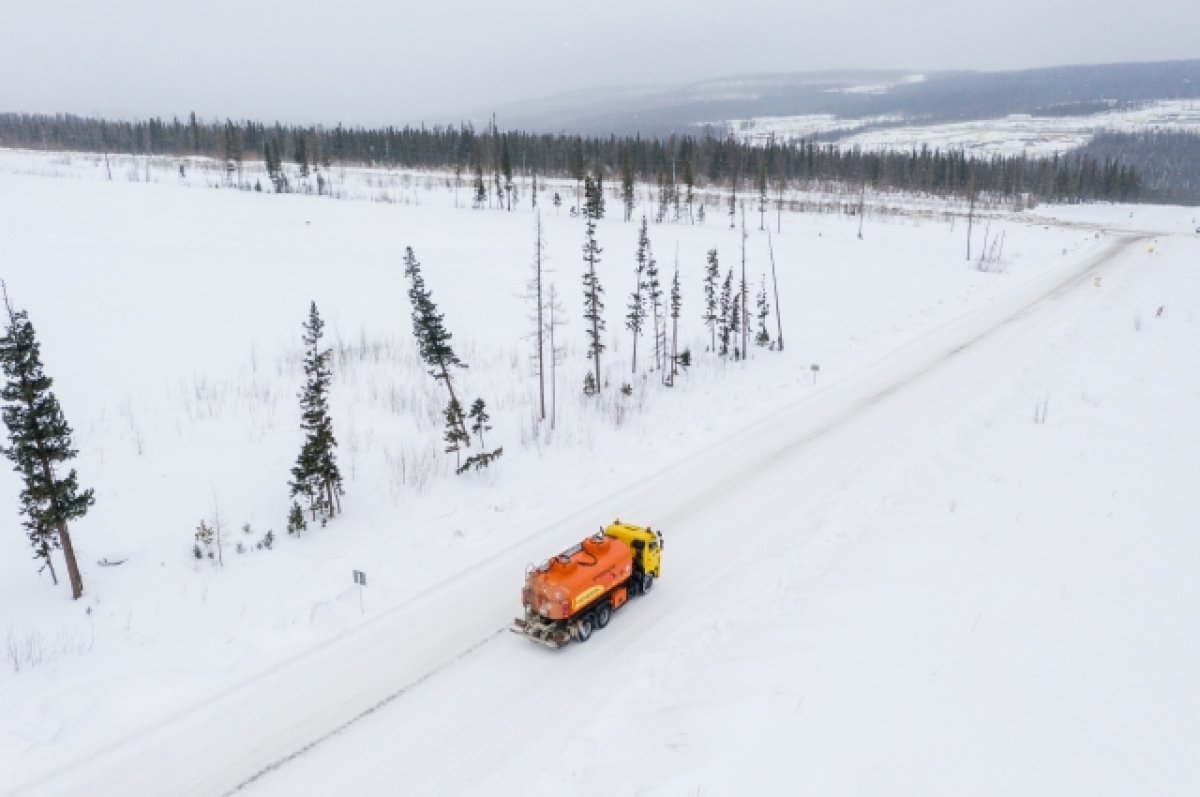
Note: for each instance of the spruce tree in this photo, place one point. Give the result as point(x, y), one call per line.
point(41, 536)
point(232, 151)
point(762, 338)
point(762, 195)
point(636, 318)
point(711, 275)
point(775, 288)
point(456, 436)
point(295, 521)
point(627, 186)
point(316, 475)
point(536, 294)
point(301, 154)
point(554, 314)
point(598, 196)
point(40, 442)
point(654, 296)
point(479, 419)
point(268, 161)
point(433, 341)
point(735, 324)
point(723, 325)
point(676, 303)
point(744, 300)
point(593, 291)
point(689, 182)
point(507, 170)
point(480, 188)
point(664, 194)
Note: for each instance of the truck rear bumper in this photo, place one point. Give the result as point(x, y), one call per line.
point(550, 634)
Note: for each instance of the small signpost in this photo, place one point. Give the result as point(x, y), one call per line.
point(814, 368)
point(360, 578)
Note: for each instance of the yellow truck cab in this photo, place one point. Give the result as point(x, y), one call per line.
point(647, 545)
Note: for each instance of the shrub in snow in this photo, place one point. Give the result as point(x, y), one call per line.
point(204, 537)
point(296, 522)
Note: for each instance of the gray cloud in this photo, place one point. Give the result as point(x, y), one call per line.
point(371, 62)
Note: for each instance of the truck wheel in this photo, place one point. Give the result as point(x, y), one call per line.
point(647, 582)
point(583, 629)
point(603, 615)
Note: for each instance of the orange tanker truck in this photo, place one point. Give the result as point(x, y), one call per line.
point(575, 593)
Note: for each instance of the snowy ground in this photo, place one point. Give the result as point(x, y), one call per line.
point(1039, 136)
point(891, 580)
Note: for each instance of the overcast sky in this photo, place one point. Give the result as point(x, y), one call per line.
point(398, 61)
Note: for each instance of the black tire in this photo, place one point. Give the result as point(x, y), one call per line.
point(647, 583)
point(603, 615)
point(583, 629)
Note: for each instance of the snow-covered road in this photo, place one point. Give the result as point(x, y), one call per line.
point(434, 697)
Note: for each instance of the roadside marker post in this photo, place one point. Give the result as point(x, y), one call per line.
point(360, 578)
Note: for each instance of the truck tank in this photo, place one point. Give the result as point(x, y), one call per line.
point(569, 583)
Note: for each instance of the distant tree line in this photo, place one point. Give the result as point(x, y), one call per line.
point(673, 161)
point(1168, 161)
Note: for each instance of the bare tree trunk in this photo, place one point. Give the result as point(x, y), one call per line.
point(745, 317)
point(633, 370)
point(861, 207)
point(775, 286)
point(596, 350)
point(553, 364)
point(674, 348)
point(218, 528)
point(541, 348)
point(49, 563)
point(64, 538)
point(970, 222)
point(654, 309)
point(68, 548)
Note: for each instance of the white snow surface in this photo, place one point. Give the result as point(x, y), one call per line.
point(1038, 136)
point(894, 580)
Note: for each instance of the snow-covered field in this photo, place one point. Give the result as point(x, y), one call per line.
point(891, 580)
point(1036, 136)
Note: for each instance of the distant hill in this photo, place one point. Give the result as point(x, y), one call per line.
point(928, 97)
